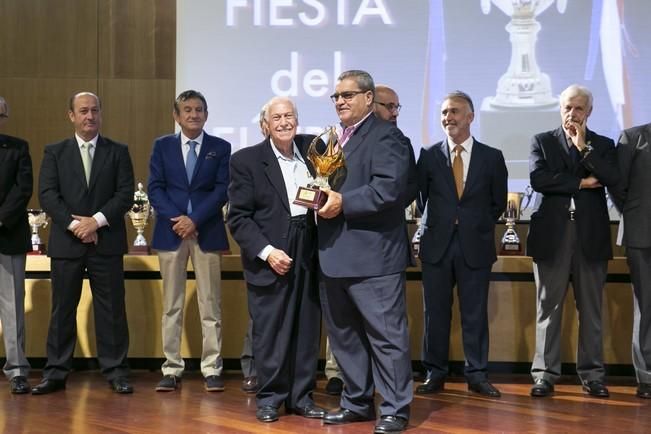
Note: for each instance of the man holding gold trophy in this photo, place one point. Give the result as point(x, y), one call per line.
point(277, 239)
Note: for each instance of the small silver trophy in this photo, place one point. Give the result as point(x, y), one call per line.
point(37, 219)
point(511, 244)
point(139, 215)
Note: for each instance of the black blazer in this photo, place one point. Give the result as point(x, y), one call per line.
point(16, 182)
point(632, 195)
point(259, 212)
point(556, 179)
point(63, 192)
point(482, 203)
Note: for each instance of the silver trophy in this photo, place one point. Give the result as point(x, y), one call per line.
point(37, 219)
point(511, 244)
point(139, 214)
point(523, 84)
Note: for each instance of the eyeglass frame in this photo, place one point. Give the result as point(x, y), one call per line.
point(390, 106)
point(347, 96)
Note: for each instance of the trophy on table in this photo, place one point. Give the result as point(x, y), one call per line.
point(510, 240)
point(139, 214)
point(37, 219)
point(325, 164)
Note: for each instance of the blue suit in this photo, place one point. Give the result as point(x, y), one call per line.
point(169, 191)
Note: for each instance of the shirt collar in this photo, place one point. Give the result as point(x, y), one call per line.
point(355, 126)
point(198, 139)
point(279, 155)
point(81, 141)
point(466, 144)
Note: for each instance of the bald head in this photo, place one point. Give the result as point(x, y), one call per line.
point(386, 103)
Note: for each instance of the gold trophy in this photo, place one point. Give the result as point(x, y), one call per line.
point(37, 219)
point(510, 241)
point(325, 165)
point(139, 214)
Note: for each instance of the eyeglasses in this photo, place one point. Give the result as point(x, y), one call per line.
point(347, 96)
point(391, 106)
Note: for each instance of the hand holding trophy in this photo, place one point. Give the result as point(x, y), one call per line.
point(139, 214)
point(325, 164)
point(37, 219)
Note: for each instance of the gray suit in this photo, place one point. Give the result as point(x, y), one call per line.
point(363, 254)
point(632, 196)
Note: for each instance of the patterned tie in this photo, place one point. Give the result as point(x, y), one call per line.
point(348, 131)
point(190, 162)
point(457, 169)
point(86, 159)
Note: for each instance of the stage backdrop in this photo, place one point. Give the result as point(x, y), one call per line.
point(240, 53)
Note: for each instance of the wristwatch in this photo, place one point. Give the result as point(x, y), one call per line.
point(586, 150)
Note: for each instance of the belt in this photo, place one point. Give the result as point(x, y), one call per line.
point(571, 215)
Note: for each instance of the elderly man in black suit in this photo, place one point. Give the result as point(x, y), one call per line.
point(86, 186)
point(363, 255)
point(632, 196)
point(277, 243)
point(464, 184)
point(15, 191)
point(569, 239)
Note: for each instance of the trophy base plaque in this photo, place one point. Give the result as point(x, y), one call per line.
point(511, 249)
point(139, 250)
point(312, 198)
point(37, 249)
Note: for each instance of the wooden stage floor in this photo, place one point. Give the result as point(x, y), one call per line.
point(89, 406)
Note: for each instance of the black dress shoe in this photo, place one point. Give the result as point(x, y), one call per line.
point(597, 389)
point(19, 385)
point(121, 385)
point(390, 425)
point(485, 388)
point(310, 411)
point(542, 388)
point(430, 385)
point(643, 391)
point(344, 416)
point(250, 384)
point(48, 386)
point(334, 386)
point(267, 413)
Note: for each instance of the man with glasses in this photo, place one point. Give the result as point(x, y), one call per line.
point(363, 254)
point(15, 191)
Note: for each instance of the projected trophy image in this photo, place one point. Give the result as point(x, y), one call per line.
point(524, 103)
point(325, 165)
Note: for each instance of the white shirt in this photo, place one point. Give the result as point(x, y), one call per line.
point(99, 217)
point(295, 175)
point(185, 146)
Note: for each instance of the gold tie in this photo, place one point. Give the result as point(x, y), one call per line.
point(457, 169)
point(86, 160)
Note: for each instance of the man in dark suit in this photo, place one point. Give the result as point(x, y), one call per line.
point(363, 254)
point(632, 196)
point(569, 239)
point(188, 179)
point(464, 184)
point(86, 187)
point(15, 191)
point(277, 247)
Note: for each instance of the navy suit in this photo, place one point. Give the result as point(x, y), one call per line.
point(457, 246)
point(63, 191)
point(169, 193)
point(363, 254)
point(284, 309)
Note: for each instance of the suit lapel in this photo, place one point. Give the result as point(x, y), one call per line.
point(358, 136)
point(302, 145)
point(73, 154)
point(645, 138)
point(475, 167)
point(273, 172)
point(4, 147)
point(202, 155)
point(563, 147)
point(99, 159)
point(446, 166)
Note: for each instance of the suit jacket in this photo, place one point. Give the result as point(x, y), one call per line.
point(556, 179)
point(169, 191)
point(632, 195)
point(482, 203)
point(259, 213)
point(369, 237)
point(16, 183)
point(63, 191)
